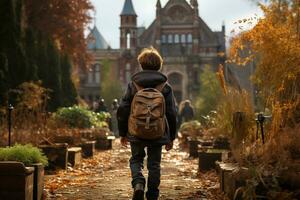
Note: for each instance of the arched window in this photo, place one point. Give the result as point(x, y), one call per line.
point(128, 72)
point(163, 39)
point(97, 73)
point(183, 39)
point(176, 38)
point(90, 75)
point(189, 38)
point(128, 40)
point(175, 79)
point(170, 39)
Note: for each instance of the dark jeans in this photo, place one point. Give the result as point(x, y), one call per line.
point(153, 166)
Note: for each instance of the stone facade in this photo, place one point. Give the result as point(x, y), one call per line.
point(178, 32)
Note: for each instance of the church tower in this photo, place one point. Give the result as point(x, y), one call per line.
point(196, 33)
point(128, 28)
point(158, 25)
point(128, 42)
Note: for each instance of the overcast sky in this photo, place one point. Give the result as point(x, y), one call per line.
point(213, 12)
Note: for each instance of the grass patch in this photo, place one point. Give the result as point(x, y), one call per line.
point(26, 154)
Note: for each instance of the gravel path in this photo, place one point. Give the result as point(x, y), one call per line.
point(107, 177)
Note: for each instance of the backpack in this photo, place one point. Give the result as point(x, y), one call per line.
point(147, 115)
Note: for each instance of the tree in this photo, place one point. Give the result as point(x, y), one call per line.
point(52, 77)
point(275, 43)
point(209, 92)
point(3, 80)
point(111, 88)
point(37, 41)
point(68, 87)
point(63, 21)
point(14, 66)
point(54, 71)
point(31, 54)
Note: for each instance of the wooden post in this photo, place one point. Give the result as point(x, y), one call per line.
point(238, 127)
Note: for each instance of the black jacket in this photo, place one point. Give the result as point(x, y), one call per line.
point(187, 113)
point(148, 79)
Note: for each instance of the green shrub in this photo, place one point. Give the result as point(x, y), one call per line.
point(26, 154)
point(191, 128)
point(103, 116)
point(79, 117)
point(209, 93)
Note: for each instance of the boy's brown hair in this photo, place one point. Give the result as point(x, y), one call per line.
point(150, 59)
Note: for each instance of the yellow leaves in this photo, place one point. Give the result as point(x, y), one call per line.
point(245, 20)
point(221, 54)
point(221, 77)
point(274, 45)
point(241, 46)
point(281, 88)
point(240, 52)
point(291, 76)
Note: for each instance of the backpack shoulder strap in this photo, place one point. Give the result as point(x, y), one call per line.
point(138, 88)
point(160, 87)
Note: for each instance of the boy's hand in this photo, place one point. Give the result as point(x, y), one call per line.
point(124, 141)
point(169, 146)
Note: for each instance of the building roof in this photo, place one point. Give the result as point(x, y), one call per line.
point(96, 40)
point(140, 30)
point(128, 8)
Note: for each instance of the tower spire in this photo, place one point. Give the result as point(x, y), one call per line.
point(128, 8)
point(158, 4)
point(194, 4)
point(158, 8)
point(128, 28)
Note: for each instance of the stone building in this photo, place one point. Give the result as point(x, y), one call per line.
point(91, 76)
point(178, 32)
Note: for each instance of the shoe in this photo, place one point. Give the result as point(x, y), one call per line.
point(138, 192)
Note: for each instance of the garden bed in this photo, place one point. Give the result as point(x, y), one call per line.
point(193, 147)
point(222, 169)
point(208, 158)
point(65, 139)
point(88, 149)
point(74, 156)
point(16, 181)
point(38, 183)
point(57, 155)
point(104, 143)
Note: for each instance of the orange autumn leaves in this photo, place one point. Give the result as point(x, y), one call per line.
point(221, 77)
point(64, 21)
point(274, 45)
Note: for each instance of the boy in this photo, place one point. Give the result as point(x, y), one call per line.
point(150, 77)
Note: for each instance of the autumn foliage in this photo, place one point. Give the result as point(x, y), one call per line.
point(62, 20)
point(274, 43)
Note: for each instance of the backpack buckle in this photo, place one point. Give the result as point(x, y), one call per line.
point(147, 123)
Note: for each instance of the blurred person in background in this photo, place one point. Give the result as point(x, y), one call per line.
point(101, 106)
point(186, 111)
point(114, 122)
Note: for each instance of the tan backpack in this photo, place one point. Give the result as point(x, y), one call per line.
point(147, 115)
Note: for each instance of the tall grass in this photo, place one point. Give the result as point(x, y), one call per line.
point(26, 154)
